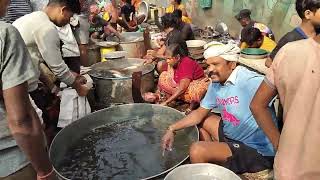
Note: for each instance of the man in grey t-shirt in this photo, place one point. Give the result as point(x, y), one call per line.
point(21, 135)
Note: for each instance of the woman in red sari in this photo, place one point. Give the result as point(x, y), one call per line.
point(182, 78)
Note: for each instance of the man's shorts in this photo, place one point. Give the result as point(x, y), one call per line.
point(244, 159)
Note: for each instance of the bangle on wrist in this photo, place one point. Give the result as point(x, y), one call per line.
point(47, 175)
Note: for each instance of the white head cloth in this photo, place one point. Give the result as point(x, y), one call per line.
point(229, 52)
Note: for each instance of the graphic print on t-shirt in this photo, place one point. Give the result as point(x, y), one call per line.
point(226, 116)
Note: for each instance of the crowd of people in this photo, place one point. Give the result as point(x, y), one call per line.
point(43, 47)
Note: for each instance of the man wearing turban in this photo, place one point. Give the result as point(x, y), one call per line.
point(232, 137)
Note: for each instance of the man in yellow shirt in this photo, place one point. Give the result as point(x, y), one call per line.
point(253, 38)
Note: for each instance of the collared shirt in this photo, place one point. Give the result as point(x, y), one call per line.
point(295, 73)
point(233, 76)
point(43, 42)
point(15, 68)
point(232, 101)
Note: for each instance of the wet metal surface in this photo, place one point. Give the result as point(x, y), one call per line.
point(123, 146)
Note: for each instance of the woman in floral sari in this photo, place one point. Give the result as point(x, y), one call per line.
point(182, 79)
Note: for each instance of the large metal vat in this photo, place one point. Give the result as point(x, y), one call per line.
point(113, 81)
point(94, 54)
point(134, 44)
point(131, 158)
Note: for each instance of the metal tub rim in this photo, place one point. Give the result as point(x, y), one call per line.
point(124, 105)
point(149, 69)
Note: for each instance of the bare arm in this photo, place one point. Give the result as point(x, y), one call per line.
point(183, 86)
point(194, 118)
point(110, 28)
point(268, 62)
point(48, 43)
point(125, 21)
point(25, 127)
point(161, 52)
point(260, 111)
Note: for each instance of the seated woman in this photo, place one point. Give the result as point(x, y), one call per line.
point(183, 79)
point(176, 4)
point(129, 20)
point(173, 36)
point(99, 26)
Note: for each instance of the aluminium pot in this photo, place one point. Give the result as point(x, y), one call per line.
point(94, 54)
point(150, 122)
point(134, 44)
point(113, 81)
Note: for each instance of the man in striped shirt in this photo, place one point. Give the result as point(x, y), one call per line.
point(17, 9)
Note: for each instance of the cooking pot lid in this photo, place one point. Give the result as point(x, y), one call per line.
point(122, 69)
point(107, 44)
point(116, 55)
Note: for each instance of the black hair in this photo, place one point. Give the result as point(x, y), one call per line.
point(176, 49)
point(251, 35)
point(128, 1)
point(169, 21)
point(178, 1)
point(303, 5)
point(72, 5)
point(177, 13)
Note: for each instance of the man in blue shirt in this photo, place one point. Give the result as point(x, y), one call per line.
point(233, 140)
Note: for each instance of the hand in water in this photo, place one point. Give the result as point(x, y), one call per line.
point(167, 141)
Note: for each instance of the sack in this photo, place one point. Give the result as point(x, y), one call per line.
point(72, 107)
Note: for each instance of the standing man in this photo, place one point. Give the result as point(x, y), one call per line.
point(21, 136)
point(39, 32)
point(295, 77)
point(42, 39)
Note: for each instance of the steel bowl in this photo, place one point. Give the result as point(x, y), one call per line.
point(201, 171)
